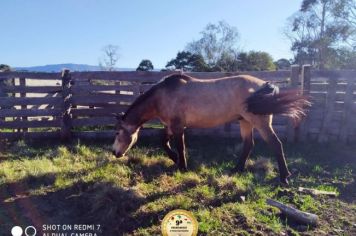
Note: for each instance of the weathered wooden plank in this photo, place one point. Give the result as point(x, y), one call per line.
point(319, 87)
point(94, 121)
point(99, 111)
point(332, 74)
point(32, 89)
point(280, 120)
point(341, 87)
point(318, 95)
point(134, 76)
point(316, 117)
point(318, 80)
point(318, 103)
point(97, 88)
point(105, 134)
point(101, 98)
point(94, 135)
point(29, 112)
point(145, 87)
point(12, 101)
point(18, 124)
point(320, 114)
point(339, 106)
point(314, 130)
point(29, 135)
point(340, 96)
point(106, 105)
point(339, 115)
point(32, 75)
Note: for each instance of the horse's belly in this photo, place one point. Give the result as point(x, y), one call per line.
point(198, 119)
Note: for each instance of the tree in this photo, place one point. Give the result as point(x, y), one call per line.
point(255, 61)
point(4, 83)
point(145, 65)
point(187, 61)
point(217, 46)
point(342, 58)
point(319, 28)
point(4, 68)
point(227, 62)
point(282, 64)
point(110, 57)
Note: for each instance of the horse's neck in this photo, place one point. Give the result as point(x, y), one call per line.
point(141, 113)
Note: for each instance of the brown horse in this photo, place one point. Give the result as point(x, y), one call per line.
point(180, 101)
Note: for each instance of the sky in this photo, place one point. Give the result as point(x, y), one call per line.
point(40, 32)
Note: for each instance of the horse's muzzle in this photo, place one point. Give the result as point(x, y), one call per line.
point(117, 154)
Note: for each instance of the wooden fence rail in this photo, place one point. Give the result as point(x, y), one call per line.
point(81, 104)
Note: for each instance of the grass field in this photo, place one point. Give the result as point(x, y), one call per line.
point(81, 183)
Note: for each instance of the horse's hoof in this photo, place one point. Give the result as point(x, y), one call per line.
point(183, 168)
point(174, 158)
point(284, 181)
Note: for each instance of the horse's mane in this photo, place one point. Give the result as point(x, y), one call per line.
point(143, 97)
point(176, 76)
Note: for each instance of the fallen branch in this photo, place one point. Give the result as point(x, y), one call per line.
point(316, 192)
point(295, 214)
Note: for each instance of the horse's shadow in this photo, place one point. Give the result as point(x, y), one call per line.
point(98, 203)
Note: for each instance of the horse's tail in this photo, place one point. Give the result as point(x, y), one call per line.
point(269, 100)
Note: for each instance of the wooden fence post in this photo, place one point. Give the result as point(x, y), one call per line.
point(66, 123)
point(23, 107)
point(292, 131)
point(2, 94)
point(13, 83)
point(347, 125)
point(306, 78)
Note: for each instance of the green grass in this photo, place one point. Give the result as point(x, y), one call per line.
point(82, 182)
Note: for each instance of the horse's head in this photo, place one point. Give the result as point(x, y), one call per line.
point(126, 137)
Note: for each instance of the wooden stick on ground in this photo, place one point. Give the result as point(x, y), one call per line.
point(295, 214)
point(317, 192)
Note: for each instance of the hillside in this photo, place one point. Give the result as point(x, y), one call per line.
point(60, 67)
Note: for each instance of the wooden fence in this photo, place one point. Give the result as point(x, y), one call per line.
point(81, 104)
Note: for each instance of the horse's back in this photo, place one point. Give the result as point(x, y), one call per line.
point(205, 103)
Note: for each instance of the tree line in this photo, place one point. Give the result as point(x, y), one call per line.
point(322, 33)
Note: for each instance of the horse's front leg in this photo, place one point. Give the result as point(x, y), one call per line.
point(167, 147)
point(246, 129)
point(182, 161)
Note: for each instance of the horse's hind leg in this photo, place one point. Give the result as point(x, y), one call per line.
point(166, 146)
point(247, 137)
point(268, 134)
point(182, 161)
